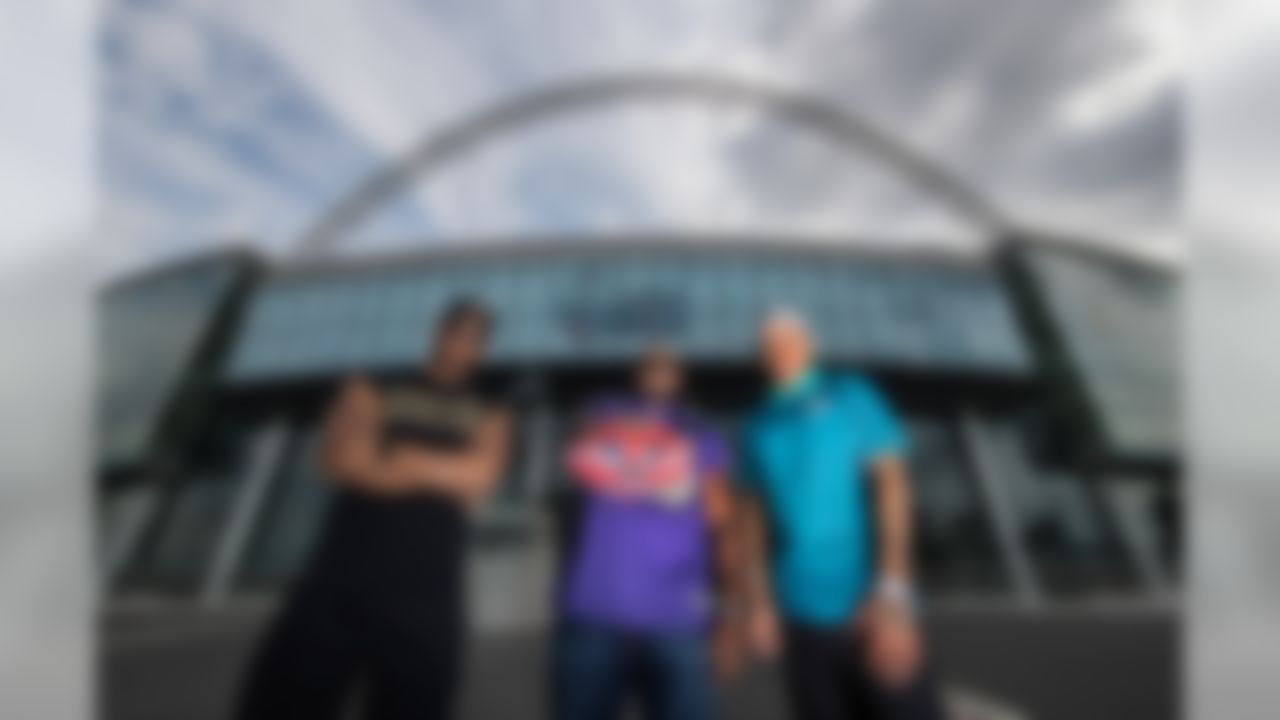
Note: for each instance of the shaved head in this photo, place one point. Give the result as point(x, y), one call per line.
point(784, 318)
point(786, 345)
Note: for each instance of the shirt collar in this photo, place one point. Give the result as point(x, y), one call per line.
point(800, 387)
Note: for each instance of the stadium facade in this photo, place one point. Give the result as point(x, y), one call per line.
point(1037, 381)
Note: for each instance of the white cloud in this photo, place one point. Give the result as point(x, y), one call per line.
point(1057, 110)
point(1123, 90)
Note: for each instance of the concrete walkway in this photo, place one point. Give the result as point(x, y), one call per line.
point(171, 664)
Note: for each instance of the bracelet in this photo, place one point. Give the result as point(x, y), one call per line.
point(899, 592)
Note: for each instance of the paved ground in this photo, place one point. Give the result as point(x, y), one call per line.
point(186, 668)
point(183, 664)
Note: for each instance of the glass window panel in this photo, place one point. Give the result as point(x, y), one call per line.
point(1150, 514)
point(123, 517)
point(955, 545)
point(291, 519)
point(1114, 320)
point(563, 307)
point(148, 337)
point(178, 555)
point(1060, 519)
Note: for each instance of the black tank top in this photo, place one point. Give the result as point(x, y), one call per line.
point(409, 546)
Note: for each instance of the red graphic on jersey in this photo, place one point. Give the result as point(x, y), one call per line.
point(628, 457)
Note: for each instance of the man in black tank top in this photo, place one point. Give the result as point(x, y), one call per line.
point(381, 604)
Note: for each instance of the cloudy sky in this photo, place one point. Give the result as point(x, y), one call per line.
point(243, 119)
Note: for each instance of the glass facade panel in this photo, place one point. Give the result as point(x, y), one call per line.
point(955, 546)
point(190, 510)
point(1152, 521)
point(290, 521)
point(1061, 520)
point(179, 554)
point(149, 334)
point(1118, 327)
point(567, 308)
point(123, 515)
point(564, 310)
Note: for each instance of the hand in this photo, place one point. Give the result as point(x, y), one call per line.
point(372, 484)
point(891, 640)
point(375, 478)
point(764, 633)
point(727, 650)
point(386, 484)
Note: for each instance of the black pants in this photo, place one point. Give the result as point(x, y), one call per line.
point(398, 650)
point(828, 679)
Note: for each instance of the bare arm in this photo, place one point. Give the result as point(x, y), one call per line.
point(754, 576)
point(468, 476)
point(894, 646)
point(349, 445)
point(893, 519)
point(727, 643)
point(717, 501)
point(754, 589)
point(350, 453)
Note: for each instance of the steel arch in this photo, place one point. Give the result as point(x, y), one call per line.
point(825, 117)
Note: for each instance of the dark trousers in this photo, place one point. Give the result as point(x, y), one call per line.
point(328, 642)
point(597, 669)
point(828, 679)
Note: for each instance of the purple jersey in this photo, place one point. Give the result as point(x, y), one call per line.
point(641, 559)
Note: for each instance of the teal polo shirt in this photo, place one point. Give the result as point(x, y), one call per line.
point(805, 451)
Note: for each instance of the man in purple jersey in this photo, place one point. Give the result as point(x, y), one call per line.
point(651, 538)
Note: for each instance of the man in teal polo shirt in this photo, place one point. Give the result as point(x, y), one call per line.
point(822, 476)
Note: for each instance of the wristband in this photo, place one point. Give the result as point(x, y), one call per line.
point(899, 592)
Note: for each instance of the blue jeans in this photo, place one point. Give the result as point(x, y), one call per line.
point(597, 669)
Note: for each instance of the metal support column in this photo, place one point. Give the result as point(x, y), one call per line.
point(541, 434)
point(996, 497)
point(264, 460)
point(1121, 506)
point(119, 548)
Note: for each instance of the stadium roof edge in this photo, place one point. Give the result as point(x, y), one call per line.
point(531, 247)
point(482, 249)
point(1094, 249)
point(140, 276)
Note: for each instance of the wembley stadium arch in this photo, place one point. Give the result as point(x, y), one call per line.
point(832, 120)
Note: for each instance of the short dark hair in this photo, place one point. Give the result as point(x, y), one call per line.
point(463, 310)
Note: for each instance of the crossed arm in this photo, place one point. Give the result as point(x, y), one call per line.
point(352, 456)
